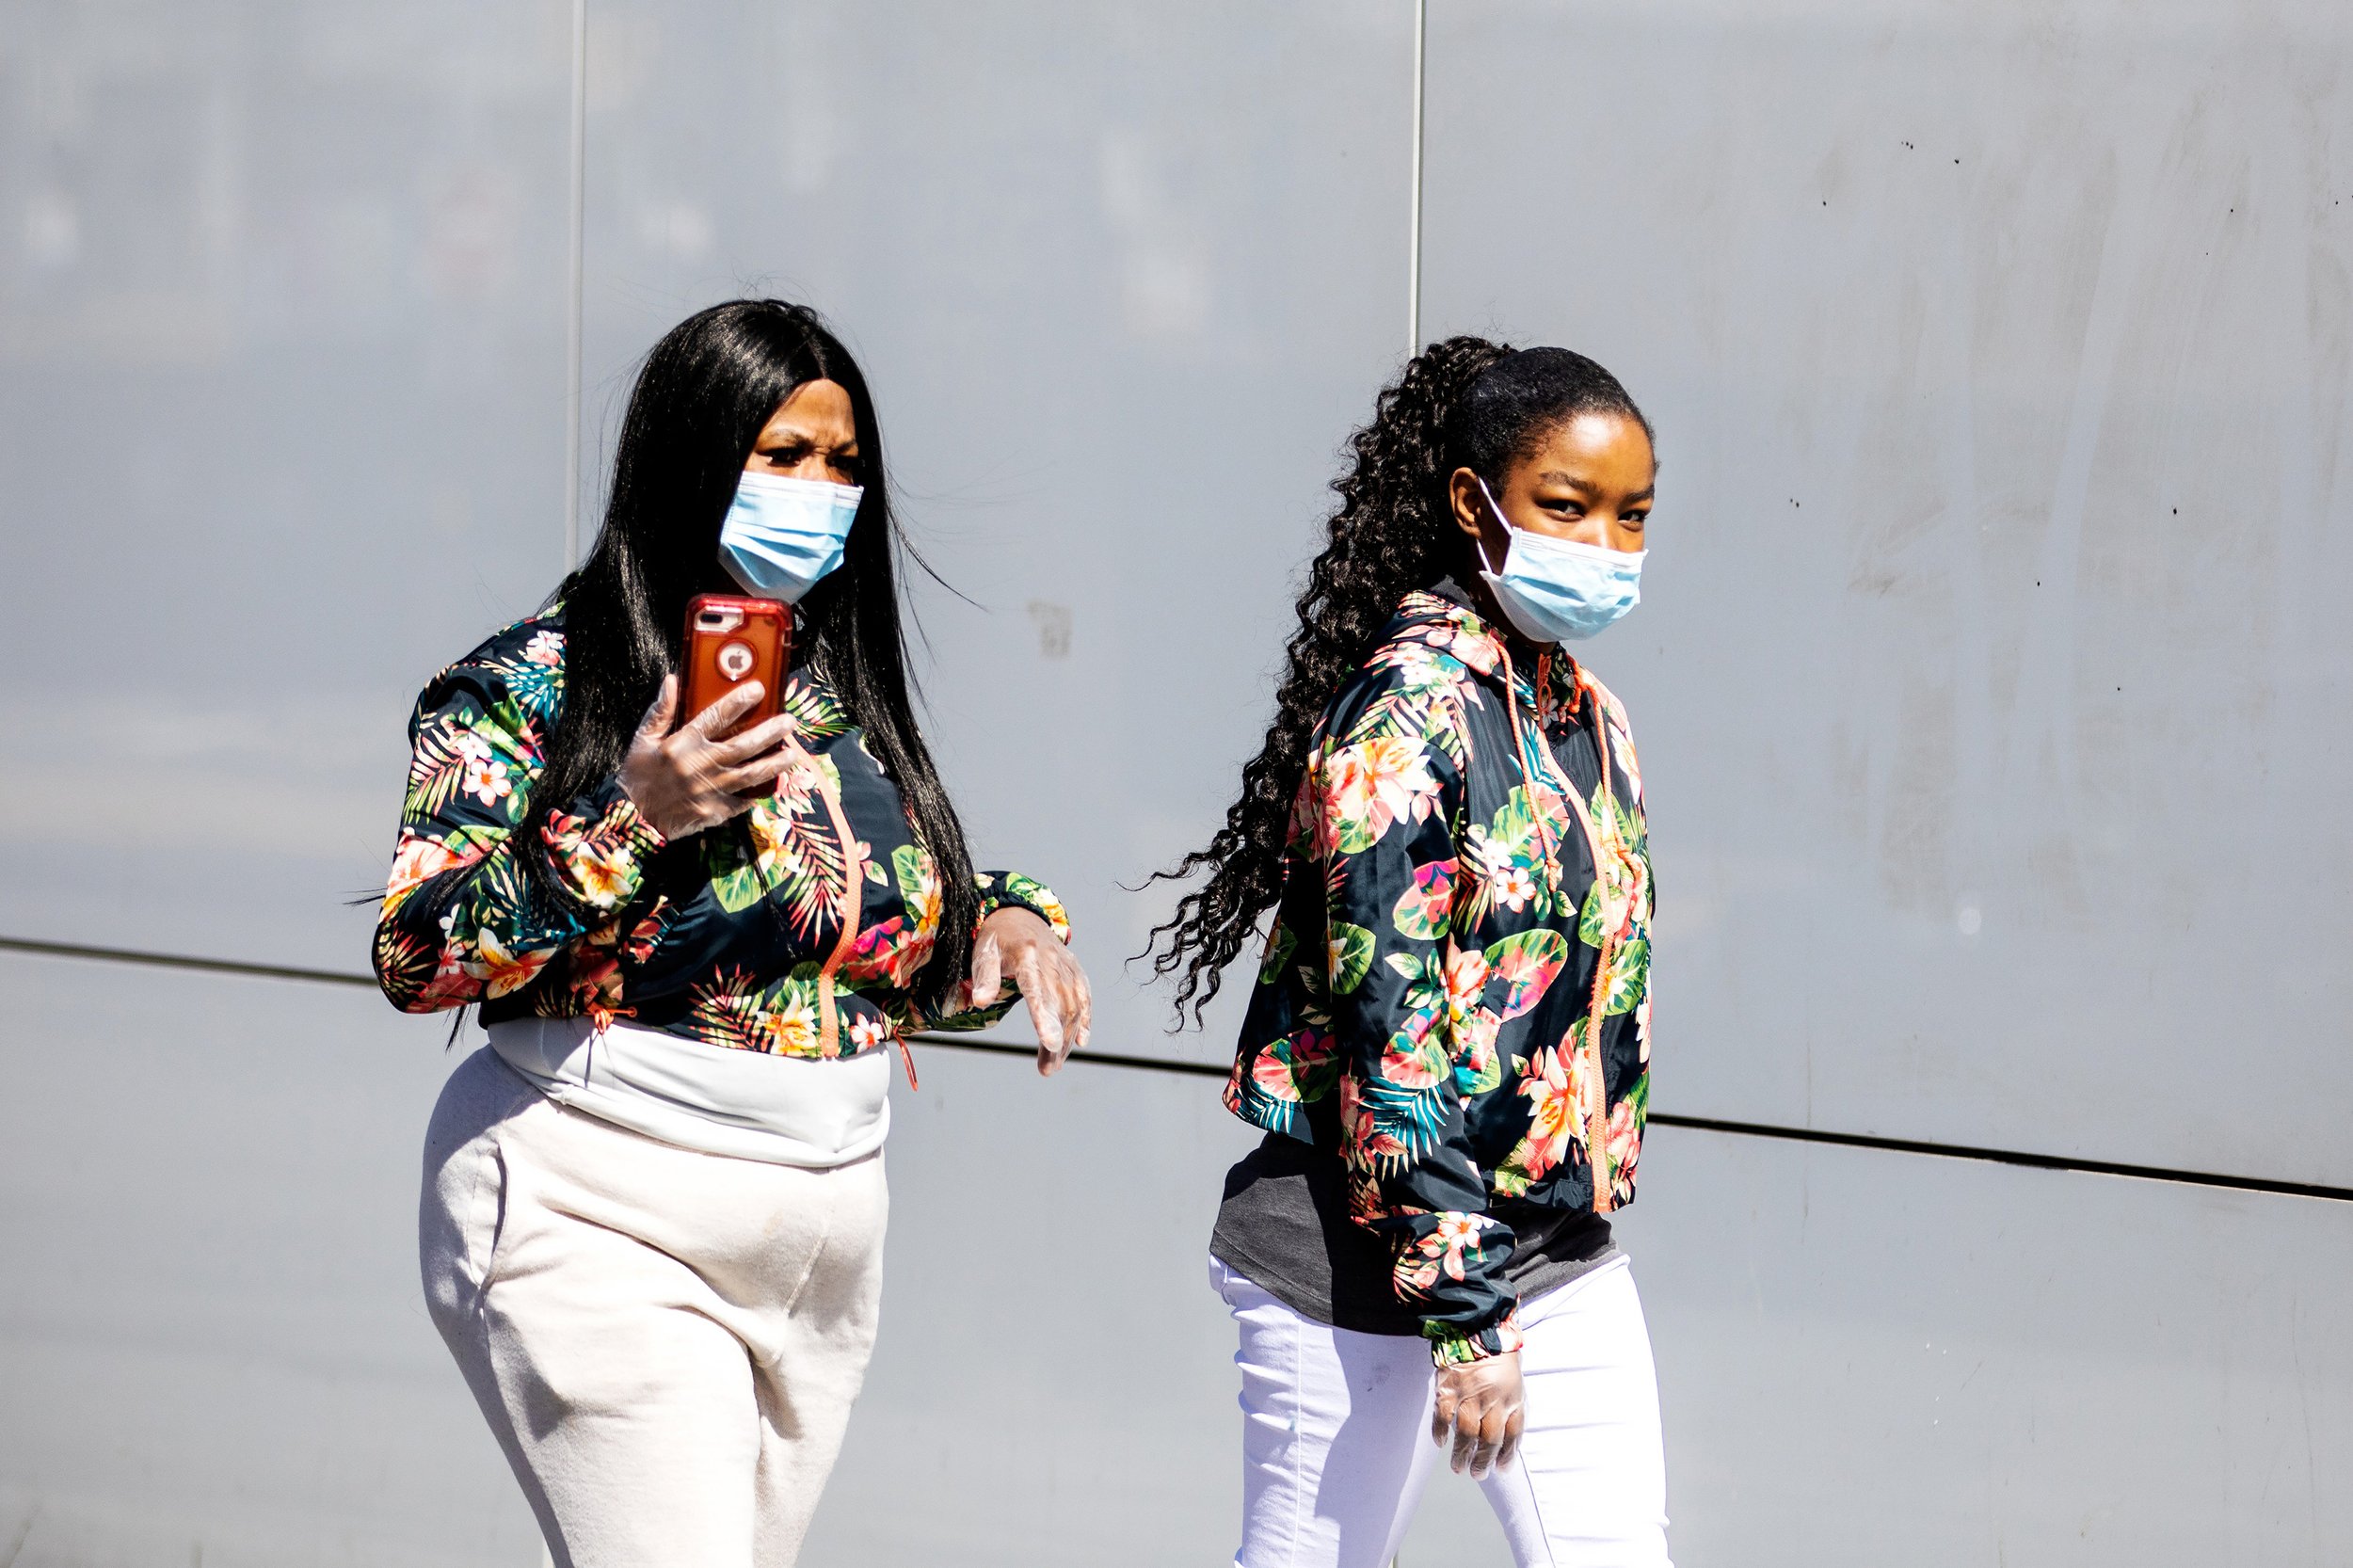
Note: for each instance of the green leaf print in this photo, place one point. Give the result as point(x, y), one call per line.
point(1279, 947)
point(1480, 1075)
point(1592, 924)
point(906, 866)
point(735, 880)
point(1425, 976)
point(1527, 962)
point(1425, 905)
point(1629, 975)
point(1351, 957)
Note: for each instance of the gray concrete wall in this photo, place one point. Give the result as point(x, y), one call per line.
point(1990, 688)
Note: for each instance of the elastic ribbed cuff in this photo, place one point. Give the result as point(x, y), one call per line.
point(1012, 891)
point(1453, 1347)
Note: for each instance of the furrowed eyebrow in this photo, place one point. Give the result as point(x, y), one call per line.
point(791, 436)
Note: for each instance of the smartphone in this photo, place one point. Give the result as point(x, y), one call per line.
point(730, 640)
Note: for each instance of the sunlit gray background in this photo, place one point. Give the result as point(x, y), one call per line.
point(1993, 687)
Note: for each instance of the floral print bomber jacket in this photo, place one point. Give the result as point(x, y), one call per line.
point(797, 929)
point(1455, 995)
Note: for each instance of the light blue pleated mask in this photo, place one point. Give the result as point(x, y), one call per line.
point(782, 534)
point(1559, 590)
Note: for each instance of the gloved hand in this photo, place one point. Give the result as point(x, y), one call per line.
point(699, 775)
point(1479, 1410)
point(1060, 1006)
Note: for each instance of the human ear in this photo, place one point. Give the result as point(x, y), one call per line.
point(1469, 502)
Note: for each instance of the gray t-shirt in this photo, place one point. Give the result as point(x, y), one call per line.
point(1285, 1227)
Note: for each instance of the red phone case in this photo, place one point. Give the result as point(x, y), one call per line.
point(731, 640)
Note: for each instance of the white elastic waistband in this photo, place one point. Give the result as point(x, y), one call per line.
point(785, 1110)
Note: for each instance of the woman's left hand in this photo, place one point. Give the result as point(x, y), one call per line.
point(1016, 942)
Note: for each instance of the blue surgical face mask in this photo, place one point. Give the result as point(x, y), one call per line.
point(1558, 590)
point(782, 534)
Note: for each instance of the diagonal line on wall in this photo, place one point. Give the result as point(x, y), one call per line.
point(38, 948)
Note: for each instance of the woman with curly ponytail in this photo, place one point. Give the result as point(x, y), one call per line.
point(1449, 1042)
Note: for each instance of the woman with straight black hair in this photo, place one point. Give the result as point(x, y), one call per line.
point(652, 1217)
point(1449, 1044)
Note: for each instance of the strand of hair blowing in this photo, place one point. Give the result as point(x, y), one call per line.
point(1389, 534)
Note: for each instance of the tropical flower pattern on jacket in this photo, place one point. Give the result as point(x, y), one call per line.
point(797, 929)
point(1455, 995)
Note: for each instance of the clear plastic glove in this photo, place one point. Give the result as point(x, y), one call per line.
point(1061, 1007)
point(1479, 1410)
point(699, 776)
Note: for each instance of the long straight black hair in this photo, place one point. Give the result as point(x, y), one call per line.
point(705, 393)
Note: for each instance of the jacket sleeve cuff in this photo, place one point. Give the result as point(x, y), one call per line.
point(1012, 891)
point(1450, 1346)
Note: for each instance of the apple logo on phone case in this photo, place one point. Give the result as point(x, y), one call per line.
point(735, 660)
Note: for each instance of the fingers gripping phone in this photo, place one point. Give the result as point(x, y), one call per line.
point(730, 640)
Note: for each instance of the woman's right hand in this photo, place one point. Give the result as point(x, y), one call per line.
point(698, 776)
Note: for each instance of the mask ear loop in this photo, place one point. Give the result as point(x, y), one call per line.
point(1510, 532)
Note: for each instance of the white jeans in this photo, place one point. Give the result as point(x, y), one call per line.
point(1337, 1448)
point(666, 1342)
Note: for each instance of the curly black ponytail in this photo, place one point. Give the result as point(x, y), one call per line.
point(1389, 534)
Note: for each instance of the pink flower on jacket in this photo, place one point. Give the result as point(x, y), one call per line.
point(419, 860)
point(500, 970)
point(485, 779)
point(450, 984)
point(1552, 1123)
point(1512, 886)
point(1465, 982)
point(867, 1031)
point(876, 952)
point(1625, 1138)
point(1372, 784)
point(1455, 1237)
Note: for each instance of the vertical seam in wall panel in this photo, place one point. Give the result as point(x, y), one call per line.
point(1412, 244)
point(576, 241)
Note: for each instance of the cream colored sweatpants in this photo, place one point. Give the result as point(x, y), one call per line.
point(666, 1343)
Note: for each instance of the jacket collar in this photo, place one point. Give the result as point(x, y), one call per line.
point(1442, 615)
